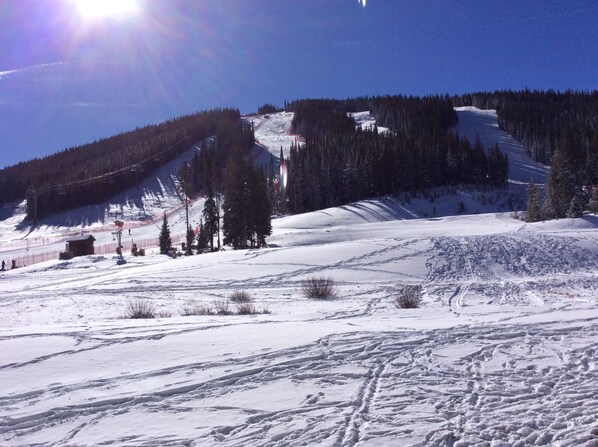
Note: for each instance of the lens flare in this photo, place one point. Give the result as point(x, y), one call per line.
point(283, 174)
point(362, 2)
point(91, 9)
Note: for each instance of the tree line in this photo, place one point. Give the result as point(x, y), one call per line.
point(559, 129)
point(340, 163)
point(222, 172)
point(101, 169)
point(541, 119)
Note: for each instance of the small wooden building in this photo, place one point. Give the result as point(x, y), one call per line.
point(80, 245)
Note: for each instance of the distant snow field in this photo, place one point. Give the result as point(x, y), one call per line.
point(501, 352)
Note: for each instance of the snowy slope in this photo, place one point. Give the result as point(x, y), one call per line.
point(501, 353)
point(273, 132)
point(483, 123)
point(503, 350)
point(141, 209)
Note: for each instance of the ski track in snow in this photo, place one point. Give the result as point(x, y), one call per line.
point(520, 385)
point(515, 384)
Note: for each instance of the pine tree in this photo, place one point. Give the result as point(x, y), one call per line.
point(190, 237)
point(498, 167)
point(234, 225)
point(258, 206)
point(534, 210)
point(564, 181)
point(210, 216)
point(165, 241)
point(577, 205)
point(593, 206)
point(202, 240)
point(247, 210)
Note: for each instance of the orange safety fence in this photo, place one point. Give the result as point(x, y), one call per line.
point(105, 249)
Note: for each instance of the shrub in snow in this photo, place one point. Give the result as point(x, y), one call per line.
point(222, 307)
point(246, 309)
point(318, 288)
point(240, 296)
point(409, 297)
point(139, 308)
point(192, 309)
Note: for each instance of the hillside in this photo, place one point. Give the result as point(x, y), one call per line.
point(501, 351)
point(141, 207)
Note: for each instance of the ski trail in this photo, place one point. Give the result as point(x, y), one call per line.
point(359, 418)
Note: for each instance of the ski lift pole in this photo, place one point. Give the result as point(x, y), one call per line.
point(118, 233)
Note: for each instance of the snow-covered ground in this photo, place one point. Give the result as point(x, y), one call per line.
point(502, 351)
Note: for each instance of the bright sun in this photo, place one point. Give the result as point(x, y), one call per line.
point(91, 9)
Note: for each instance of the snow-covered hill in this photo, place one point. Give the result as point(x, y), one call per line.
point(502, 351)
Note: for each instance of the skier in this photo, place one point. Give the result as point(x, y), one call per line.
point(3, 265)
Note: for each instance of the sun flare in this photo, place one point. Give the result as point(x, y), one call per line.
point(92, 9)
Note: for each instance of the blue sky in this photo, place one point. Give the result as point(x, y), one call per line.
point(66, 79)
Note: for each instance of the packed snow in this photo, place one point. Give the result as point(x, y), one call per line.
point(502, 351)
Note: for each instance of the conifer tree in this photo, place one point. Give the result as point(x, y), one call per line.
point(165, 241)
point(247, 210)
point(577, 205)
point(534, 209)
point(234, 224)
point(498, 167)
point(202, 240)
point(593, 206)
point(564, 181)
point(258, 207)
point(190, 237)
point(210, 216)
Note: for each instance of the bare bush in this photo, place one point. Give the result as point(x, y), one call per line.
point(222, 307)
point(318, 288)
point(164, 314)
point(139, 308)
point(240, 296)
point(193, 309)
point(246, 309)
point(409, 297)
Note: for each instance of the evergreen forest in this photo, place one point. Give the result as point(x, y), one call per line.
point(337, 163)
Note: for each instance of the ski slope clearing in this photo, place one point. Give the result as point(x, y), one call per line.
point(273, 132)
point(502, 352)
point(474, 122)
